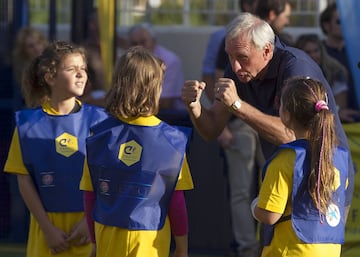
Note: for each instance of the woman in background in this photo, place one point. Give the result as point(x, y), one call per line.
point(334, 72)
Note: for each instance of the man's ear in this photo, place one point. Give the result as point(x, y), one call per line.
point(49, 79)
point(268, 51)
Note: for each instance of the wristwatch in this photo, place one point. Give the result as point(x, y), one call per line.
point(236, 105)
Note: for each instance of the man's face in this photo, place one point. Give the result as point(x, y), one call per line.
point(143, 38)
point(335, 27)
point(247, 7)
point(278, 22)
point(246, 61)
point(313, 50)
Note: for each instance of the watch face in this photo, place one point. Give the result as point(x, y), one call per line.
point(236, 105)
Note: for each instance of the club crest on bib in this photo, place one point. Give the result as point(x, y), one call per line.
point(130, 152)
point(66, 144)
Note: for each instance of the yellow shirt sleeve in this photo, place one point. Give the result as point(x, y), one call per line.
point(276, 189)
point(85, 182)
point(185, 181)
point(14, 163)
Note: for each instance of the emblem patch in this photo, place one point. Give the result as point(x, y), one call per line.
point(47, 179)
point(333, 215)
point(130, 152)
point(66, 144)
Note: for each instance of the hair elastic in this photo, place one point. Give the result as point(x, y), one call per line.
point(321, 105)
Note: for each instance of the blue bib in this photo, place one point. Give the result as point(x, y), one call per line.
point(134, 171)
point(305, 216)
point(53, 151)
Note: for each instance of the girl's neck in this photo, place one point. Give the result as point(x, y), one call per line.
point(63, 106)
point(299, 131)
point(301, 134)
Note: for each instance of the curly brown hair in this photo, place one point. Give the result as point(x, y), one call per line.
point(34, 86)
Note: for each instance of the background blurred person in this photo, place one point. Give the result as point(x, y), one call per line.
point(144, 35)
point(277, 13)
point(335, 73)
point(95, 89)
point(29, 43)
point(335, 45)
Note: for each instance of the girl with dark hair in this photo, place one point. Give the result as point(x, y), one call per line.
point(302, 194)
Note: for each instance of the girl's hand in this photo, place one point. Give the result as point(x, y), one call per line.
point(93, 251)
point(80, 233)
point(56, 240)
point(180, 253)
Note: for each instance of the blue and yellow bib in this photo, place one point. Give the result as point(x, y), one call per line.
point(53, 151)
point(134, 171)
point(305, 216)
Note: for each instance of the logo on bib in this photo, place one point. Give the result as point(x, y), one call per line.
point(333, 215)
point(47, 179)
point(130, 152)
point(66, 144)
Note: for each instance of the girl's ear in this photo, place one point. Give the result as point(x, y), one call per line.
point(49, 79)
point(286, 119)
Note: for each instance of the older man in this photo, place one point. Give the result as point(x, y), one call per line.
point(250, 90)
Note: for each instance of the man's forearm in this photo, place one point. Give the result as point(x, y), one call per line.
point(268, 127)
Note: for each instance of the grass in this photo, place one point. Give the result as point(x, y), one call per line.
point(12, 250)
point(18, 250)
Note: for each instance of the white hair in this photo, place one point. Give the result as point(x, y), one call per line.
point(258, 31)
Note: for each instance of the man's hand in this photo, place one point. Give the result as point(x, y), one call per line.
point(225, 91)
